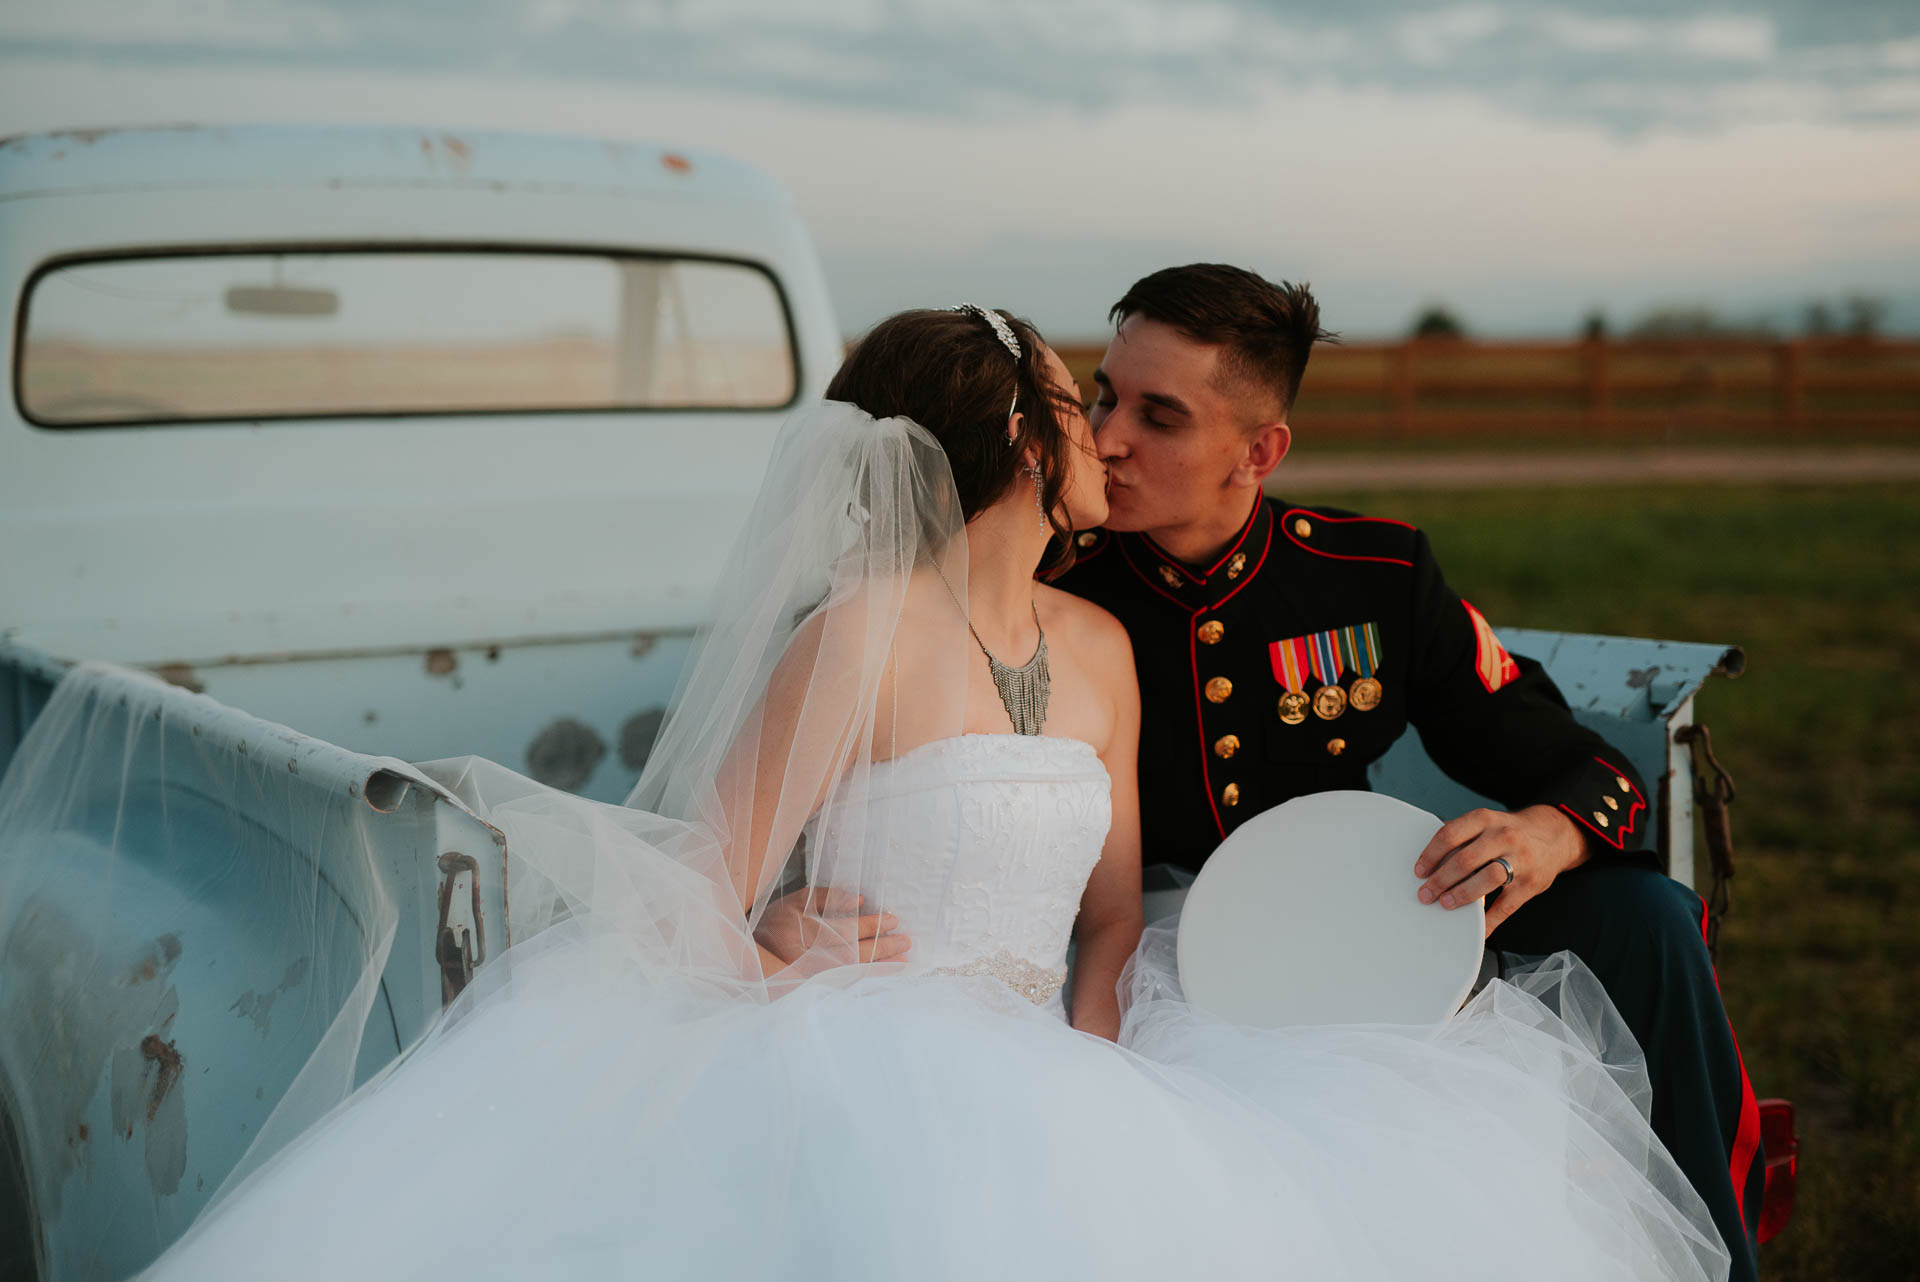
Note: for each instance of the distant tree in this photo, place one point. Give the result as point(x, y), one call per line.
point(1695, 320)
point(1817, 319)
point(1437, 321)
point(1594, 327)
point(1865, 315)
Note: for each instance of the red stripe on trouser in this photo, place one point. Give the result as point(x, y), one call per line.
point(1746, 1139)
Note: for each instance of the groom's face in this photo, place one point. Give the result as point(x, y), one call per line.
point(1169, 428)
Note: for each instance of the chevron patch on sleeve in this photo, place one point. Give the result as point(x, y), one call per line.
point(1491, 662)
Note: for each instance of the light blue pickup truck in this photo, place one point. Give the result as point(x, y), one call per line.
point(326, 451)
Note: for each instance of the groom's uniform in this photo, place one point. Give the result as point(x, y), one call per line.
point(1297, 658)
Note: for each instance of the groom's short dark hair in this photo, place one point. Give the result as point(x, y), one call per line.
point(1267, 330)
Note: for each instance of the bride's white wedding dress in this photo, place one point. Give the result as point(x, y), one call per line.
point(591, 1114)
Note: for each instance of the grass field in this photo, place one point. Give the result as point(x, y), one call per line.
point(1820, 959)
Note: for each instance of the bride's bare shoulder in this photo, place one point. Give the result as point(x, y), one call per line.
point(1093, 632)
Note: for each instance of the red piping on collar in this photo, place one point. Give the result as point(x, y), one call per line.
point(1146, 579)
point(1286, 528)
point(1264, 549)
point(1080, 558)
point(1169, 559)
point(1246, 528)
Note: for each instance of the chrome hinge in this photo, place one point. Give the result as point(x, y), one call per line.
point(460, 941)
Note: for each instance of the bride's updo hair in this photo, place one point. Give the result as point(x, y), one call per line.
point(949, 372)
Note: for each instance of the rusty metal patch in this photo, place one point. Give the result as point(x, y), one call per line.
point(637, 737)
point(180, 674)
point(565, 754)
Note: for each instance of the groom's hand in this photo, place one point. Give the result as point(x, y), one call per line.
point(795, 922)
point(1459, 863)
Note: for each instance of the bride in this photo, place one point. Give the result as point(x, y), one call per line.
point(798, 1010)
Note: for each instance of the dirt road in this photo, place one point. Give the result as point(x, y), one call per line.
point(1308, 470)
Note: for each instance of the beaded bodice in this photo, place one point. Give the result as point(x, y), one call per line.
point(981, 845)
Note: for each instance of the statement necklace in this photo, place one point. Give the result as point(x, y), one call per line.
point(1023, 690)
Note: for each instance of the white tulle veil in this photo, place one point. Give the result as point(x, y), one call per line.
point(792, 694)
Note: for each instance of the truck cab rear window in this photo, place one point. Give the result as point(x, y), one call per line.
point(313, 333)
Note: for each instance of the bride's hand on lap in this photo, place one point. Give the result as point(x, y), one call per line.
point(794, 923)
point(1461, 864)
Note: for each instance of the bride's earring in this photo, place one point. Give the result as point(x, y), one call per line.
point(1039, 495)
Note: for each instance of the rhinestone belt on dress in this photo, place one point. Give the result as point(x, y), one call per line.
point(1035, 983)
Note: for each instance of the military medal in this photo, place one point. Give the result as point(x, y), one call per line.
point(1329, 701)
point(1290, 661)
point(1361, 644)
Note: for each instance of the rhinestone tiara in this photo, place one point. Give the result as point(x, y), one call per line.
point(1001, 330)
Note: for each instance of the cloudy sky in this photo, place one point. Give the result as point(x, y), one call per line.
point(1523, 163)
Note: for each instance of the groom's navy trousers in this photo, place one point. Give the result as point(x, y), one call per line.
point(1301, 653)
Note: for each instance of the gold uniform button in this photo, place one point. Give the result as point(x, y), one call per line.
point(1611, 803)
point(1087, 540)
point(1622, 781)
point(1336, 746)
point(1211, 631)
point(1218, 689)
point(1600, 818)
point(1225, 746)
point(1303, 527)
point(1230, 795)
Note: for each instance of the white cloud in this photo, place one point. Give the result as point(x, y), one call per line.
point(1138, 26)
point(1733, 38)
point(1588, 34)
point(1900, 55)
point(1431, 39)
point(236, 24)
point(1724, 38)
point(847, 17)
point(1894, 98)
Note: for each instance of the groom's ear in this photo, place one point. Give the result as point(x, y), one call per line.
point(1267, 445)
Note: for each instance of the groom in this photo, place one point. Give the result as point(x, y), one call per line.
point(1281, 649)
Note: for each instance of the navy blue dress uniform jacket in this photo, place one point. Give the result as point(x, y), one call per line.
point(1211, 646)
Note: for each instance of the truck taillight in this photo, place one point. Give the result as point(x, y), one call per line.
point(1783, 1165)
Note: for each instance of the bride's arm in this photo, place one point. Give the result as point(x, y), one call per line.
point(1110, 921)
point(797, 742)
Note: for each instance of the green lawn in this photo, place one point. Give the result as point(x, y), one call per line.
point(1820, 959)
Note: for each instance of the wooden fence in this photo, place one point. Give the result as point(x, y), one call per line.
point(1462, 388)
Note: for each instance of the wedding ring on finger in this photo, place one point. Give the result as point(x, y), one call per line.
point(1502, 861)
